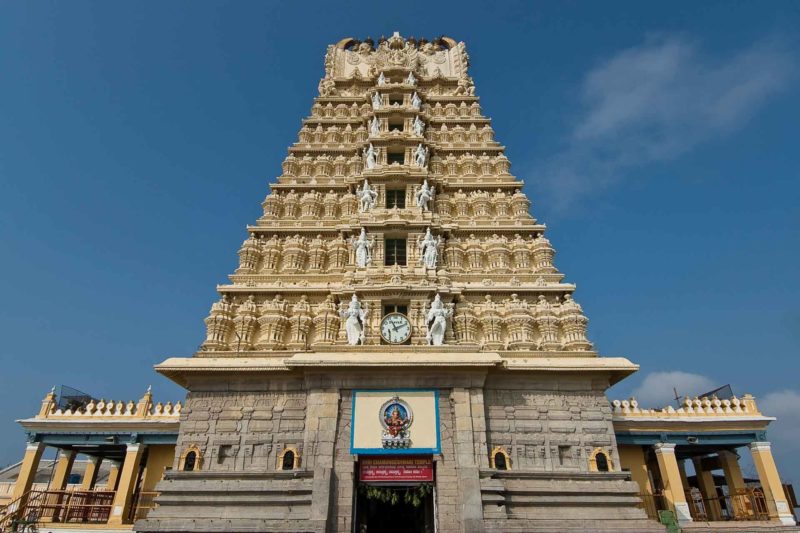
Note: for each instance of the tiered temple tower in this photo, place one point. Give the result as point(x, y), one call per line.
point(396, 320)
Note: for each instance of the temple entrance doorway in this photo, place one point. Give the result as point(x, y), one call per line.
point(395, 495)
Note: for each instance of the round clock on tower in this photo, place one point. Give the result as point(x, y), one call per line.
point(395, 328)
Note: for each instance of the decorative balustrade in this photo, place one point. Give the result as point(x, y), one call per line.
point(143, 409)
point(697, 407)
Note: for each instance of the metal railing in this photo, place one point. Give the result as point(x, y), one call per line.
point(697, 505)
point(81, 506)
point(143, 502)
point(747, 504)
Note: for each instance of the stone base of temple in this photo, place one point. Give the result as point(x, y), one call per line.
point(563, 502)
point(232, 502)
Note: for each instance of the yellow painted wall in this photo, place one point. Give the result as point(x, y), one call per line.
point(159, 457)
point(367, 427)
point(632, 458)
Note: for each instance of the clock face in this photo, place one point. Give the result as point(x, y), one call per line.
point(395, 328)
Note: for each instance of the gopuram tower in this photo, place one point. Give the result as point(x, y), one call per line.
point(397, 350)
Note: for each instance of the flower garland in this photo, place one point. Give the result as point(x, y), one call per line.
point(392, 495)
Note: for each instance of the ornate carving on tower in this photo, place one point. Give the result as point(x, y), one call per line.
point(437, 321)
point(249, 255)
point(547, 322)
point(396, 186)
point(326, 322)
point(465, 323)
point(362, 248)
point(573, 323)
point(271, 254)
point(491, 324)
point(423, 197)
point(367, 196)
point(520, 324)
point(294, 253)
point(316, 254)
point(272, 324)
point(245, 324)
point(355, 321)
point(337, 255)
point(543, 255)
point(498, 253)
point(218, 325)
point(429, 249)
point(300, 324)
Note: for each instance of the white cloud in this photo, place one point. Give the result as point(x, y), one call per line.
point(657, 388)
point(784, 433)
point(785, 405)
point(655, 101)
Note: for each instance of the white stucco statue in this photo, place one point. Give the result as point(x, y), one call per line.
point(363, 249)
point(416, 101)
point(375, 127)
point(429, 249)
point(419, 126)
point(381, 79)
point(371, 156)
point(355, 321)
point(411, 80)
point(436, 320)
point(367, 197)
point(421, 155)
point(424, 196)
point(376, 101)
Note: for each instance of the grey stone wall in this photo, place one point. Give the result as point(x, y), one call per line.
point(242, 431)
point(549, 424)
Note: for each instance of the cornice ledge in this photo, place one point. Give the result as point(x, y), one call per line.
point(393, 359)
point(578, 364)
point(203, 364)
point(682, 419)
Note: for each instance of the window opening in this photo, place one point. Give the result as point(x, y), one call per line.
point(602, 462)
point(288, 460)
point(396, 198)
point(500, 461)
point(190, 461)
point(396, 157)
point(395, 252)
point(395, 308)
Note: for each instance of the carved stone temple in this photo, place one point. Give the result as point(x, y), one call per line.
point(397, 351)
point(356, 294)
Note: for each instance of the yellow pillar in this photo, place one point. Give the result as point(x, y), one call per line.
point(705, 480)
point(127, 483)
point(729, 462)
point(733, 473)
point(27, 472)
point(671, 477)
point(632, 458)
point(113, 476)
point(90, 474)
point(66, 458)
point(771, 482)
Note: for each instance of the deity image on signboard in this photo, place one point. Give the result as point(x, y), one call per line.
point(396, 418)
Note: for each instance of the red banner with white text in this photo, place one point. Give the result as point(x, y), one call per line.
point(394, 469)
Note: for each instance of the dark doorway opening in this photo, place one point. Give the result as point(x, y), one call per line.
point(373, 515)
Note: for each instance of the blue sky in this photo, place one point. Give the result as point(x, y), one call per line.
point(657, 141)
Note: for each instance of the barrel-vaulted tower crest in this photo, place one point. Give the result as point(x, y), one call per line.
point(396, 261)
